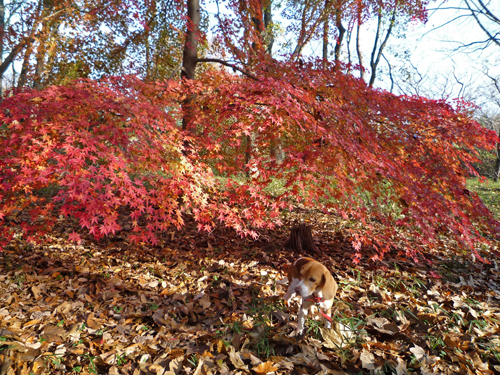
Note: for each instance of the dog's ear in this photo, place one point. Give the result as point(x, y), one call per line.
point(322, 282)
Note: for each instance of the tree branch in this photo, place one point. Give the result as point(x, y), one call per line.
point(232, 66)
point(491, 37)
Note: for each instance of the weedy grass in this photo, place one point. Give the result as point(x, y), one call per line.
point(435, 342)
point(355, 325)
point(489, 192)
point(261, 310)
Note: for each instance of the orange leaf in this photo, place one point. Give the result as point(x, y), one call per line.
point(265, 367)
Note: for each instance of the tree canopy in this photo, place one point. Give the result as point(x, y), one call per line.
point(244, 136)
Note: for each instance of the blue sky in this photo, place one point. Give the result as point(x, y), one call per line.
point(428, 53)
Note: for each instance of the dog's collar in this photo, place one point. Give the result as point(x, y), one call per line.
point(318, 300)
point(315, 299)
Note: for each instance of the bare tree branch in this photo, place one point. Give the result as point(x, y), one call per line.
point(390, 73)
point(480, 24)
point(232, 66)
point(375, 57)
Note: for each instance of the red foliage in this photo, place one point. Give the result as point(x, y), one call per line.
point(101, 152)
point(113, 151)
point(396, 161)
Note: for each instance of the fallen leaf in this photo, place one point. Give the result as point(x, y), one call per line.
point(367, 360)
point(53, 334)
point(36, 291)
point(236, 359)
point(265, 367)
point(337, 337)
point(401, 367)
point(418, 352)
point(175, 365)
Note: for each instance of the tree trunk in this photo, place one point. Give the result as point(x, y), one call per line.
point(190, 57)
point(29, 48)
point(40, 60)
point(360, 56)
point(375, 57)
point(43, 39)
point(497, 162)
point(268, 22)
point(342, 30)
point(190, 53)
point(23, 76)
point(301, 240)
point(2, 33)
point(326, 31)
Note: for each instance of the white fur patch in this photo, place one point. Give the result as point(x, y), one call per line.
point(291, 290)
point(304, 291)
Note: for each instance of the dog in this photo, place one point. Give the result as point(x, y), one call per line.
point(315, 284)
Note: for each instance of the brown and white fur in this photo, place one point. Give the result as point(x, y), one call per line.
point(315, 284)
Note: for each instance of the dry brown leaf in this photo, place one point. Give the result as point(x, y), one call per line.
point(326, 370)
point(38, 366)
point(202, 369)
point(175, 353)
point(175, 365)
point(31, 323)
point(418, 352)
point(36, 291)
point(132, 349)
point(367, 360)
point(156, 368)
point(221, 347)
point(53, 334)
point(337, 337)
point(93, 322)
point(236, 359)
point(265, 367)
point(205, 301)
point(401, 367)
point(479, 364)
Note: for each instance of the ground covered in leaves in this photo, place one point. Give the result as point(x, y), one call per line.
point(207, 304)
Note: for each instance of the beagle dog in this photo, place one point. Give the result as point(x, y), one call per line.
point(315, 284)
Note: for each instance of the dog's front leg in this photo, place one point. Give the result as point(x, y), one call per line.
point(326, 309)
point(304, 310)
point(290, 293)
point(328, 322)
point(288, 296)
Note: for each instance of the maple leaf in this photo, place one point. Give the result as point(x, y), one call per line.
point(75, 237)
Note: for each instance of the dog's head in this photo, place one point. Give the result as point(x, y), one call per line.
point(312, 279)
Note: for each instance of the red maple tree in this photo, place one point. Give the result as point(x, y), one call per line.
point(121, 151)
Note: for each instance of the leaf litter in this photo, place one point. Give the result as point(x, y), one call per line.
point(212, 304)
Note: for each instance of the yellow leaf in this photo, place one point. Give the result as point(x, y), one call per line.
point(265, 367)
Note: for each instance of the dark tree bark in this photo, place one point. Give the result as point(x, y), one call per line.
point(326, 32)
point(375, 56)
point(2, 33)
point(301, 240)
point(23, 76)
point(190, 57)
point(268, 21)
point(190, 53)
